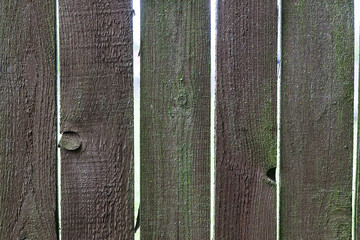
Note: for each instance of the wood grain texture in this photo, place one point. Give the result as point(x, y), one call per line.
point(317, 119)
point(245, 120)
point(27, 120)
point(175, 119)
point(97, 104)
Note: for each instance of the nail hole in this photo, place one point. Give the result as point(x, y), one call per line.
point(271, 174)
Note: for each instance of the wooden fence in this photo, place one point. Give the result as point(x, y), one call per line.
point(96, 120)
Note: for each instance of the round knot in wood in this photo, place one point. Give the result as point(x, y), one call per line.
point(70, 141)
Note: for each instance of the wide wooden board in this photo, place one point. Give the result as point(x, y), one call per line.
point(246, 120)
point(317, 119)
point(175, 119)
point(97, 105)
point(27, 120)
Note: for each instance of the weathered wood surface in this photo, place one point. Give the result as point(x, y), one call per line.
point(175, 119)
point(97, 104)
point(27, 120)
point(317, 119)
point(246, 120)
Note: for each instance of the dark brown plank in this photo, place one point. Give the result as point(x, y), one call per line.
point(246, 120)
point(175, 119)
point(97, 104)
point(317, 119)
point(27, 120)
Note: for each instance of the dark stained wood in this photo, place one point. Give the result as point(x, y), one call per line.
point(246, 120)
point(27, 120)
point(97, 104)
point(175, 119)
point(317, 119)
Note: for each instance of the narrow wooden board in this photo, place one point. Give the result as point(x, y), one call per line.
point(175, 119)
point(317, 119)
point(97, 104)
point(246, 120)
point(27, 120)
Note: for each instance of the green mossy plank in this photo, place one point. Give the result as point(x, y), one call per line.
point(97, 105)
point(317, 119)
point(27, 120)
point(246, 120)
point(175, 119)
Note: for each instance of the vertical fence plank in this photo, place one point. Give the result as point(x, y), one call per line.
point(27, 120)
point(317, 119)
point(97, 104)
point(246, 120)
point(175, 119)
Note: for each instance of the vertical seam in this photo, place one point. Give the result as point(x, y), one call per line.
point(356, 115)
point(58, 155)
point(213, 32)
point(278, 121)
